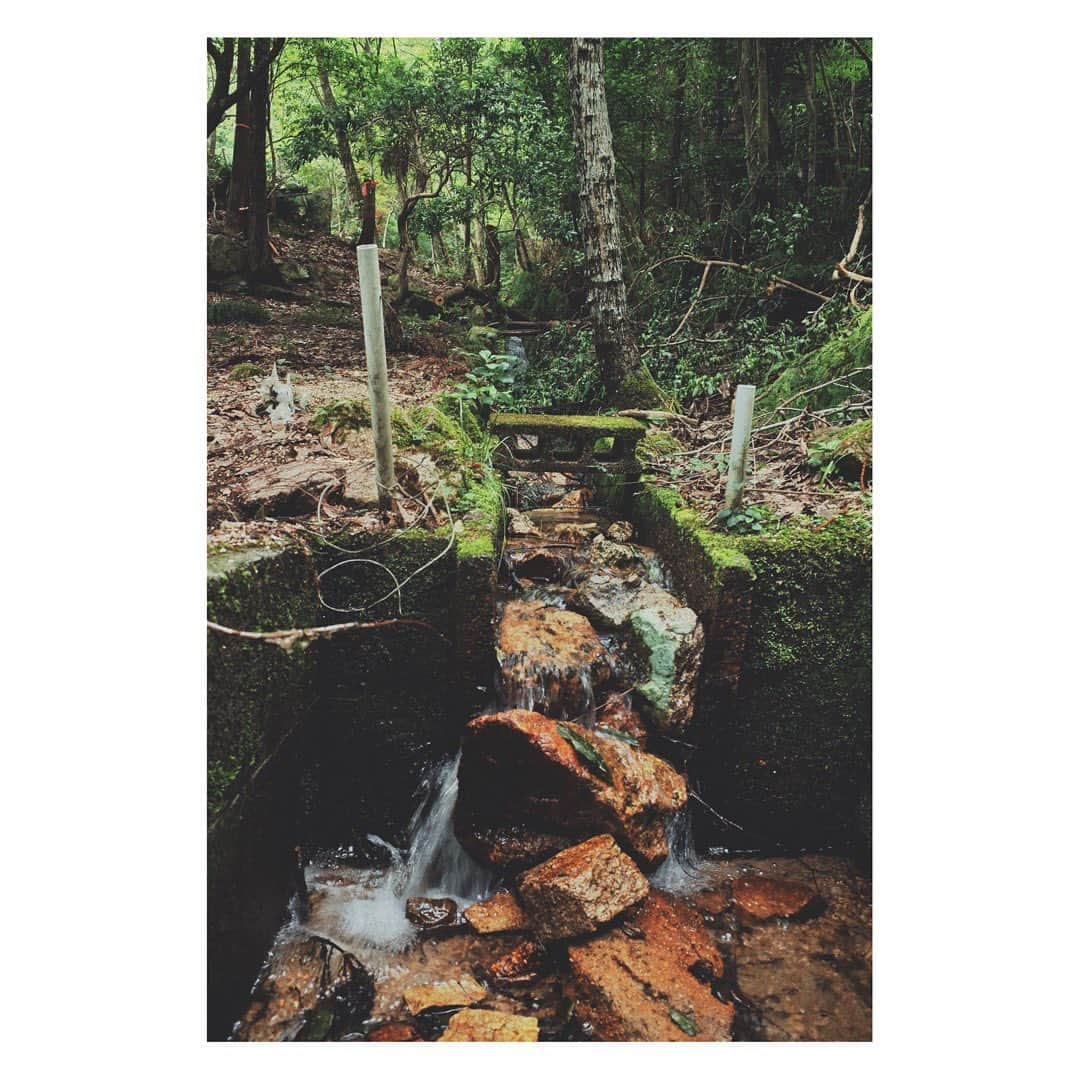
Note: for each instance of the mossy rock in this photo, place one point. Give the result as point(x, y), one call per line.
point(484, 337)
point(236, 311)
point(847, 450)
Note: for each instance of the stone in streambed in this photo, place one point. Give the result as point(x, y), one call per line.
point(519, 772)
point(537, 563)
point(521, 964)
point(497, 914)
point(511, 848)
point(395, 1031)
point(665, 636)
point(580, 889)
point(622, 532)
point(461, 991)
point(619, 715)
point(431, 913)
point(634, 983)
point(487, 1025)
point(768, 898)
point(550, 658)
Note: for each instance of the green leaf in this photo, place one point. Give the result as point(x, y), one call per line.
point(622, 736)
point(586, 751)
point(684, 1021)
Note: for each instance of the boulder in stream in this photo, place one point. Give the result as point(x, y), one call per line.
point(497, 914)
point(665, 636)
point(649, 979)
point(520, 772)
point(581, 888)
point(768, 898)
point(461, 991)
point(432, 913)
point(518, 965)
point(550, 658)
point(488, 1025)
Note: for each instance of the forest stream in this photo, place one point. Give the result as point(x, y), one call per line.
point(550, 889)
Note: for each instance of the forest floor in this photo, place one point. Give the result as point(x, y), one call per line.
point(319, 341)
point(267, 481)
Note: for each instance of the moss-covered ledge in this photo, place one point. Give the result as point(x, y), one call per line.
point(783, 708)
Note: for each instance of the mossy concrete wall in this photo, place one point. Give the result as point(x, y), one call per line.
point(782, 727)
point(322, 745)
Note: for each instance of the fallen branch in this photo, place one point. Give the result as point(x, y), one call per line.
point(842, 266)
point(730, 265)
point(289, 639)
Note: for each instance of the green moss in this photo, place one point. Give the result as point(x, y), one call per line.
point(244, 371)
point(657, 443)
point(236, 311)
point(482, 527)
point(850, 348)
point(830, 446)
point(600, 426)
point(341, 417)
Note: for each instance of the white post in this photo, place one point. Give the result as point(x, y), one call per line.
point(367, 261)
point(740, 443)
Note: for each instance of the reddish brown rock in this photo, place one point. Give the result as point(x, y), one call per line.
point(396, 1031)
point(767, 898)
point(461, 991)
point(512, 847)
point(618, 714)
point(521, 964)
point(550, 658)
point(640, 988)
point(578, 499)
point(518, 771)
point(580, 889)
point(487, 1025)
point(497, 914)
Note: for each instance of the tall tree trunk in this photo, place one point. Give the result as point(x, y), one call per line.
point(626, 381)
point(747, 102)
point(341, 137)
point(240, 177)
point(260, 265)
point(811, 117)
point(493, 259)
point(678, 125)
point(762, 120)
point(367, 216)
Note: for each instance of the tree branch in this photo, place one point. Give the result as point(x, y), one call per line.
point(219, 105)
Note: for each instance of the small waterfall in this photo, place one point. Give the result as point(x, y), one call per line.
point(562, 694)
point(515, 347)
point(681, 871)
point(434, 865)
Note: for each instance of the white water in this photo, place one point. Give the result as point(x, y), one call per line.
point(681, 872)
point(373, 914)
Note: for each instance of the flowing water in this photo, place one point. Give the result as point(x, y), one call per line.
point(791, 969)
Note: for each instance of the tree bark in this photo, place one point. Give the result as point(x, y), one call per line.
point(678, 125)
point(218, 106)
point(260, 265)
point(341, 136)
point(493, 259)
point(240, 176)
point(626, 381)
point(811, 116)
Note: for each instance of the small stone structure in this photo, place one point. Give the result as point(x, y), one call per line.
point(533, 442)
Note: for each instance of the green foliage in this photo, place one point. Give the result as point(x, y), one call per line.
point(586, 751)
point(745, 520)
point(245, 370)
point(563, 373)
point(340, 417)
point(487, 386)
point(236, 311)
point(829, 449)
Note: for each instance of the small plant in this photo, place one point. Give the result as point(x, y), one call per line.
point(236, 311)
point(340, 417)
point(488, 384)
point(244, 371)
point(744, 520)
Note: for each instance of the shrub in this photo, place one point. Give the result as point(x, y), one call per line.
point(236, 311)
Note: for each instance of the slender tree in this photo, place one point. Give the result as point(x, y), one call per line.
point(240, 175)
point(626, 381)
point(260, 264)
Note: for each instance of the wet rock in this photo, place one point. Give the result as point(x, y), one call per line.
point(461, 991)
point(669, 641)
point(576, 532)
point(308, 983)
point(487, 1025)
point(621, 532)
point(617, 714)
point(665, 636)
point(550, 658)
point(519, 524)
point(578, 499)
point(517, 770)
point(580, 889)
point(538, 563)
point(641, 987)
point(615, 555)
point(767, 898)
point(520, 964)
point(431, 913)
point(395, 1031)
point(497, 914)
point(512, 847)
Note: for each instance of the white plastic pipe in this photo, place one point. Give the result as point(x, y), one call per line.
point(367, 261)
point(740, 444)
